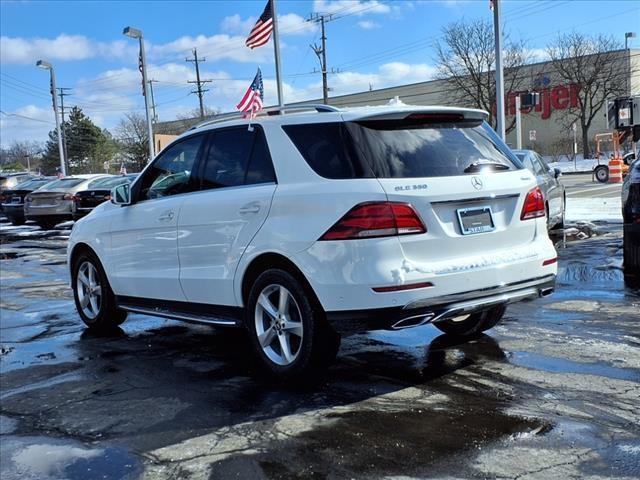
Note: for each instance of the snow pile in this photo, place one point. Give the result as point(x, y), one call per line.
point(586, 165)
point(604, 209)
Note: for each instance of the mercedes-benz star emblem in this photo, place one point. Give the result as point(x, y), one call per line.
point(477, 183)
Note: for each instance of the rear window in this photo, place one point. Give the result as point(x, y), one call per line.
point(64, 183)
point(401, 148)
point(108, 182)
point(32, 184)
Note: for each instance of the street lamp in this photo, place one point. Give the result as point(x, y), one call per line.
point(47, 66)
point(627, 36)
point(135, 33)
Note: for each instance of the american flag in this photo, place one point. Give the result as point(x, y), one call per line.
point(261, 31)
point(140, 64)
point(251, 103)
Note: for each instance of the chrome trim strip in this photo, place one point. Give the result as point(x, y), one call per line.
point(482, 293)
point(477, 199)
point(177, 316)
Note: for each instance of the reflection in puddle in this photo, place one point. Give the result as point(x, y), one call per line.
point(42, 458)
point(562, 365)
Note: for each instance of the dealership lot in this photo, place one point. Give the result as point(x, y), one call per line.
point(552, 391)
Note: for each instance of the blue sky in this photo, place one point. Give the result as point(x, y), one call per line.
point(377, 43)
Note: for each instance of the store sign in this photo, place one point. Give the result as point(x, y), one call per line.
point(559, 97)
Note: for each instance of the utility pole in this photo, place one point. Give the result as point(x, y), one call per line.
point(199, 82)
point(64, 135)
point(47, 66)
point(497, 33)
point(321, 53)
point(153, 102)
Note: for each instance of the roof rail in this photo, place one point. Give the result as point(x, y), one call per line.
point(318, 107)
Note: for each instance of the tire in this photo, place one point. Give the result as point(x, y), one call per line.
point(46, 225)
point(291, 341)
point(601, 173)
point(631, 261)
point(474, 324)
point(17, 221)
point(101, 314)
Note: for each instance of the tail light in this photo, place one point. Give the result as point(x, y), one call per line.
point(533, 205)
point(69, 196)
point(28, 199)
point(2, 197)
point(376, 219)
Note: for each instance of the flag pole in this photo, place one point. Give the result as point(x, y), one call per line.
point(276, 49)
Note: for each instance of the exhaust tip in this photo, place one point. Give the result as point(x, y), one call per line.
point(545, 292)
point(411, 322)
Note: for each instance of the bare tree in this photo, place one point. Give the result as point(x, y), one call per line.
point(466, 61)
point(132, 134)
point(596, 64)
point(26, 153)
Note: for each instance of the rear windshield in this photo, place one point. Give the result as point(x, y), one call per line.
point(64, 183)
point(108, 182)
point(32, 184)
point(401, 148)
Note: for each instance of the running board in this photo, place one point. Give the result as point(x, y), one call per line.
point(186, 312)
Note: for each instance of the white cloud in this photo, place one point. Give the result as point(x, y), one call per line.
point(368, 24)
point(216, 47)
point(350, 7)
point(235, 25)
point(26, 123)
point(288, 24)
point(24, 51)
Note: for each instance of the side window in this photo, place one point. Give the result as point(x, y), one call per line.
point(237, 157)
point(327, 149)
point(226, 161)
point(538, 165)
point(260, 166)
point(170, 173)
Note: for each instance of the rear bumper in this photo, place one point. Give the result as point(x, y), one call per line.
point(13, 210)
point(432, 310)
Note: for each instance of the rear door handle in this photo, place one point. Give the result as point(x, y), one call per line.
point(253, 207)
point(168, 215)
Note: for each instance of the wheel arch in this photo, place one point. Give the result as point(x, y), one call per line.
point(78, 249)
point(269, 260)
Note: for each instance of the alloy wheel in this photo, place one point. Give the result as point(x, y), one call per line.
point(279, 325)
point(89, 290)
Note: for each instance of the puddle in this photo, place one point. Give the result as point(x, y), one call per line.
point(561, 365)
point(409, 443)
point(7, 425)
point(42, 458)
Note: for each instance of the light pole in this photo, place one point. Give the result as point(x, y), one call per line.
point(497, 33)
point(135, 33)
point(627, 36)
point(47, 66)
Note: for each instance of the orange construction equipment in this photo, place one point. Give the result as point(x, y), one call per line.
point(615, 170)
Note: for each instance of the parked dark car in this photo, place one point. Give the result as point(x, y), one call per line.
point(9, 180)
point(12, 201)
point(631, 228)
point(97, 192)
point(549, 182)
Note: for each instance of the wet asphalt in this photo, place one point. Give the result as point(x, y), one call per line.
point(552, 392)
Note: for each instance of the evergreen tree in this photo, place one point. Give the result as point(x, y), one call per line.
point(88, 147)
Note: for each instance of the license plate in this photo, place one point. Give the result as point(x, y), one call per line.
point(475, 220)
point(16, 200)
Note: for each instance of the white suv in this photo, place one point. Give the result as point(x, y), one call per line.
point(300, 225)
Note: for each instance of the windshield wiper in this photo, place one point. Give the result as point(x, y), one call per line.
point(479, 166)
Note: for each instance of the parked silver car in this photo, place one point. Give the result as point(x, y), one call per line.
point(53, 203)
point(548, 181)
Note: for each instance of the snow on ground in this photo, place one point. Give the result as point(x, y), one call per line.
point(590, 209)
point(586, 165)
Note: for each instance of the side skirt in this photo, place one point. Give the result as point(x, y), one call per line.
point(218, 315)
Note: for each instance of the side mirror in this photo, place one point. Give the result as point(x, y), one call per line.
point(557, 172)
point(121, 195)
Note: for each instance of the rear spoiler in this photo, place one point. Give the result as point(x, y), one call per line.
point(443, 115)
